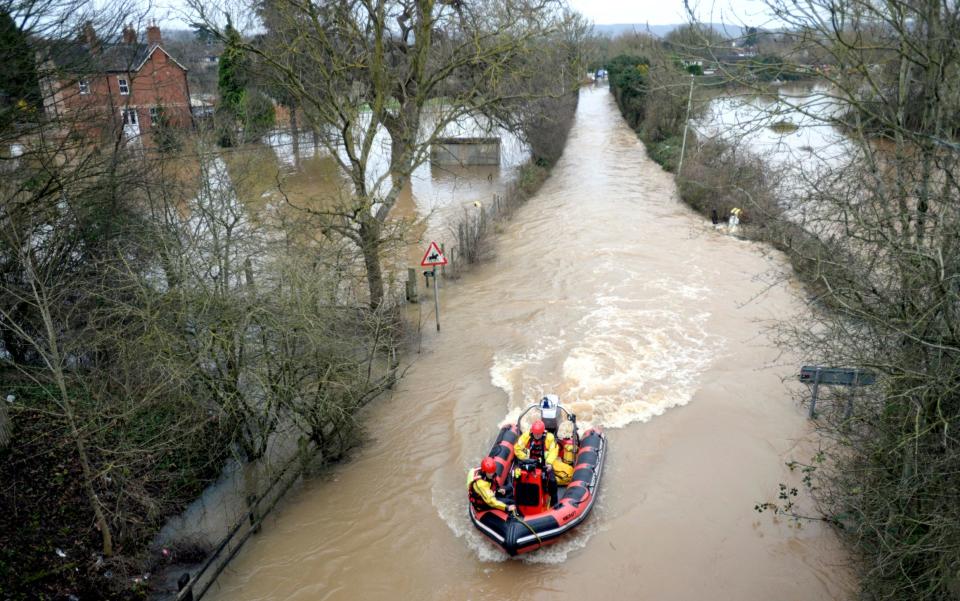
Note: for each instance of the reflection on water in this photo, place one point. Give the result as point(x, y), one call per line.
point(308, 176)
point(789, 128)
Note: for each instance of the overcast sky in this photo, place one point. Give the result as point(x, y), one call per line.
point(601, 12)
point(665, 12)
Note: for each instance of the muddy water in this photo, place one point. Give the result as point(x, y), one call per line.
point(650, 323)
point(808, 147)
point(429, 207)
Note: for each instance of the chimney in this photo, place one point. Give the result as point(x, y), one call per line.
point(129, 34)
point(153, 34)
point(89, 37)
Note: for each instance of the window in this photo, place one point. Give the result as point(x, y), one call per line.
point(84, 86)
point(129, 116)
point(154, 115)
point(124, 86)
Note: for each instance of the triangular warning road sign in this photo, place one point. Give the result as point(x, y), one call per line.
point(433, 256)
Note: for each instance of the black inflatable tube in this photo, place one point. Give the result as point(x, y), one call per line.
point(517, 536)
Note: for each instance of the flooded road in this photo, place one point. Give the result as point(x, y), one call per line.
point(609, 292)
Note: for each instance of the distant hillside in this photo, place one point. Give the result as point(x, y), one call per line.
point(724, 29)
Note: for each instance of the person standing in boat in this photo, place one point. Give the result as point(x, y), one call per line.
point(540, 445)
point(480, 487)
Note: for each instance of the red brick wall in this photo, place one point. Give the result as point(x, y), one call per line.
point(160, 82)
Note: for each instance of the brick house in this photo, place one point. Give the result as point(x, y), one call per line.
point(91, 85)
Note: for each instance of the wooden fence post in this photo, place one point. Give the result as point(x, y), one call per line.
point(254, 517)
point(182, 583)
point(412, 296)
point(394, 366)
point(303, 448)
point(4, 425)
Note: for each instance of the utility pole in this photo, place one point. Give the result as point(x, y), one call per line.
point(686, 126)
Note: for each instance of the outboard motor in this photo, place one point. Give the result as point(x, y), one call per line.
point(550, 411)
point(530, 487)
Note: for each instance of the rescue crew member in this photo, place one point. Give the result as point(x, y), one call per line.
point(480, 487)
point(542, 445)
point(735, 213)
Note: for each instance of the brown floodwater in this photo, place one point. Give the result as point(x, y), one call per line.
point(646, 321)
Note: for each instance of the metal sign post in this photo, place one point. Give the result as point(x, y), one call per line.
point(683, 145)
point(815, 392)
point(436, 296)
point(835, 376)
point(432, 258)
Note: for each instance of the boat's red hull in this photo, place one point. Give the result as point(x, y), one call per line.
point(534, 531)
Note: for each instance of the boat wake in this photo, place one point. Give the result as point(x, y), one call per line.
point(626, 360)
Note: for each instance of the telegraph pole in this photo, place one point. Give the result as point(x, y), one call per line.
point(683, 145)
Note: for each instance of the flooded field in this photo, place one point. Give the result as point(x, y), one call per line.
point(788, 127)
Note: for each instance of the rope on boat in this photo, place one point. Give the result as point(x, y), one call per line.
point(517, 516)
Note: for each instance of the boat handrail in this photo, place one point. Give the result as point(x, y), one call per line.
point(570, 416)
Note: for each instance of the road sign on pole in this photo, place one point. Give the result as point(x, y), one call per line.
point(837, 376)
point(433, 256)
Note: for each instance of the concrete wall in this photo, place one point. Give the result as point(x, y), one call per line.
point(466, 151)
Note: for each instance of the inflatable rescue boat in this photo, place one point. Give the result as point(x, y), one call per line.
point(544, 513)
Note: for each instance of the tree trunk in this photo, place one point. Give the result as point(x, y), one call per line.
point(4, 425)
point(295, 135)
point(370, 245)
point(55, 364)
point(106, 539)
point(80, 444)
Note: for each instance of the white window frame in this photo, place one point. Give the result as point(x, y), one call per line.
point(154, 115)
point(124, 85)
point(84, 86)
point(125, 113)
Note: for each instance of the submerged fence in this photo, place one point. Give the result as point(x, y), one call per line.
point(192, 587)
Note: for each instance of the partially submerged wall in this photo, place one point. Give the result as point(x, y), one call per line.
point(465, 151)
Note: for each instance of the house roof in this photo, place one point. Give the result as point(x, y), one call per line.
point(77, 58)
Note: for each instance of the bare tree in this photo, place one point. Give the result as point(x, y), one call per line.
point(395, 74)
point(152, 323)
point(49, 194)
point(877, 224)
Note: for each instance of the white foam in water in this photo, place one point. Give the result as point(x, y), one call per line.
point(637, 363)
point(631, 360)
point(452, 507)
point(573, 541)
point(511, 373)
